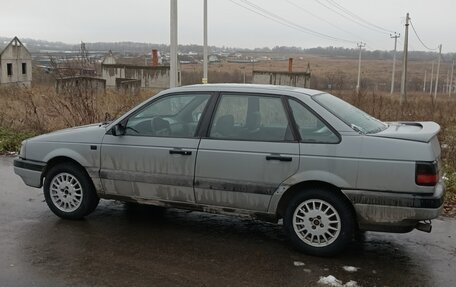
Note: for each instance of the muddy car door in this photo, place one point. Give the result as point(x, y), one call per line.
point(151, 154)
point(249, 149)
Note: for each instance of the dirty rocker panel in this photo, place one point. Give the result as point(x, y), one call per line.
point(263, 216)
point(165, 179)
point(240, 186)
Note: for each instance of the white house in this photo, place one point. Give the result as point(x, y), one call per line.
point(15, 64)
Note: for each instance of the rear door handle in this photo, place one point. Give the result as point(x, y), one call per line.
point(179, 151)
point(279, 158)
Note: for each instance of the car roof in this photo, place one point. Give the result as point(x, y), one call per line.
point(247, 88)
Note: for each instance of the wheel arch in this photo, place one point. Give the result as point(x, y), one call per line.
point(63, 159)
point(307, 185)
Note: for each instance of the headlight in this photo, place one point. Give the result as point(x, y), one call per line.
point(22, 152)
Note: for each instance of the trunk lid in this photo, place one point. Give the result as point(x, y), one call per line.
point(413, 131)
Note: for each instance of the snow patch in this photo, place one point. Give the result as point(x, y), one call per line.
point(298, 263)
point(334, 282)
point(350, 268)
point(330, 280)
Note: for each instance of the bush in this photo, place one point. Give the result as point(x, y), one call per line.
point(10, 141)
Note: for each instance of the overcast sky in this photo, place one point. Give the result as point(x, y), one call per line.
point(232, 25)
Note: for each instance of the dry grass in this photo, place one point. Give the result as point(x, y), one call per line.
point(375, 74)
point(41, 109)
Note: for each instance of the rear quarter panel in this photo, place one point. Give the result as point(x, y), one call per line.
point(389, 164)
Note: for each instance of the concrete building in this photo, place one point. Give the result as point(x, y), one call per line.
point(157, 77)
point(294, 79)
point(15, 64)
point(109, 59)
point(76, 84)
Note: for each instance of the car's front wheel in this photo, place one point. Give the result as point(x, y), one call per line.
point(319, 222)
point(69, 191)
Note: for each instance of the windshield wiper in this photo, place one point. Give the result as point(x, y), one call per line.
point(104, 123)
point(377, 130)
point(358, 129)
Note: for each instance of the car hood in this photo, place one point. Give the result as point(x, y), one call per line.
point(413, 131)
point(83, 134)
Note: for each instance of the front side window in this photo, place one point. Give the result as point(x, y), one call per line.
point(170, 116)
point(253, 118)
point(352, 116)
point(311, 128)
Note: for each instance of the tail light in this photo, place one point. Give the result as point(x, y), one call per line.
point(426, 173)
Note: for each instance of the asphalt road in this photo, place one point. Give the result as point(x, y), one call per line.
point(120, 245)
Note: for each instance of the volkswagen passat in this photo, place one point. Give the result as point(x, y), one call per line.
point(268, 152)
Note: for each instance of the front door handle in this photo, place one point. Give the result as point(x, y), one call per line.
point(279, 158)
point(179, 151)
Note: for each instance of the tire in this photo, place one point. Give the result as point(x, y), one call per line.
point(319, 222)
point(69, 191)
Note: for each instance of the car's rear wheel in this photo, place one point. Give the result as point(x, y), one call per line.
point(319, 222)
point(69, 191)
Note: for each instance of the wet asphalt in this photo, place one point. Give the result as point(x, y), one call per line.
point(122, 245)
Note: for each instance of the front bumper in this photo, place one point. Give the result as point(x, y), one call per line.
point(30, 171)
point(395, 212)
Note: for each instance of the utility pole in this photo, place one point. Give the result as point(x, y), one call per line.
point(438, 71)
point(395, 36)
point(360, 46)
point(432, 78)
point(173, 45)
point(404, 62)
point(424, 82)
point(451, 80)
point(205, 52)
point(447, 81)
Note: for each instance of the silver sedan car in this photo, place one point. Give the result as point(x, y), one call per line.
point(326, 168)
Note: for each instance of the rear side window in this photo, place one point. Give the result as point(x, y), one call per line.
point(253, 118)
point(311, 128)
point(352, 116)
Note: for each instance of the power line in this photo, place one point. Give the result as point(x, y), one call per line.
point(345, 10)
point(350, 18)
point(294, 24)
point(322, 19)
point(278, 19)
point(424, 45)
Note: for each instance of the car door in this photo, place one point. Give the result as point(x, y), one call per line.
point(154, 157)
point(249, 149)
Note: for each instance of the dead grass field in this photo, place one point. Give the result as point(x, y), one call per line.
point(340, 72)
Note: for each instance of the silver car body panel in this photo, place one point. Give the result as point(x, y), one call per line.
point(237, 174)
point(143, 167)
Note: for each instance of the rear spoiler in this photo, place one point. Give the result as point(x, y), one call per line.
point(414, 131)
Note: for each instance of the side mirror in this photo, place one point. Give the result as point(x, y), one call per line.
point(118, 130)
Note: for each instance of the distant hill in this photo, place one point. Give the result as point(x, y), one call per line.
point(35, 46)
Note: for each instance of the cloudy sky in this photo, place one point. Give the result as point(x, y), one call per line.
point(235, 23)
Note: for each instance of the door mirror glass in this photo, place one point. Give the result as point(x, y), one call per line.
point(118, 130)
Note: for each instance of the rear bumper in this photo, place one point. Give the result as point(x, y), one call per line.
point(30, 171)
point(395, 212)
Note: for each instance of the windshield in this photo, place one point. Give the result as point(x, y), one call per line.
point(352, 116)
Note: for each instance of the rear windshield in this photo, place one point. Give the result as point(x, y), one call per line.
point(352, 116)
